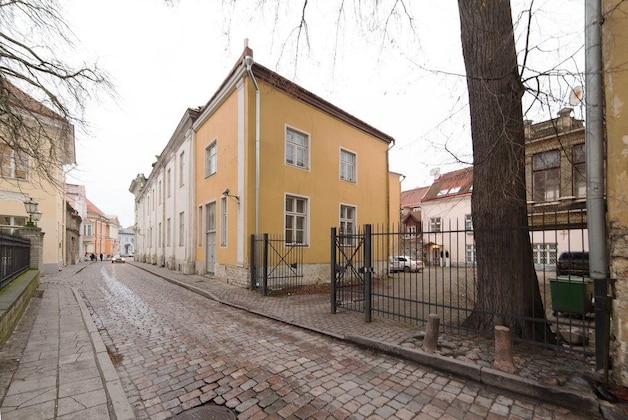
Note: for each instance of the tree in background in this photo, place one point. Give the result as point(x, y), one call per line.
point(42, 95)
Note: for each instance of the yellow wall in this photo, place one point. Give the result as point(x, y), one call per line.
point(221, 127)
point(615, 55)
point(320, 183)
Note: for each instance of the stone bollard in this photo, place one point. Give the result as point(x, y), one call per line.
point(430, 341)
point(503, 350)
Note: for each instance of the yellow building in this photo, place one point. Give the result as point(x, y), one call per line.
point(272, 157)
point(31, 166)
point(615, 57)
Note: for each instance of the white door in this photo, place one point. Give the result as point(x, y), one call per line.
point(210, 237)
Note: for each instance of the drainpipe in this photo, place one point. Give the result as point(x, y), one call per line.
point(596, 206)
point(248, 62)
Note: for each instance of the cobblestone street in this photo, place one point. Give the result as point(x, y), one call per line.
point(175, 350)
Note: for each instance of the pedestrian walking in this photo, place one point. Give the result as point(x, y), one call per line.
point(101, 257)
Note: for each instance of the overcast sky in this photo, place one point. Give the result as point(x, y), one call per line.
point(165, 58)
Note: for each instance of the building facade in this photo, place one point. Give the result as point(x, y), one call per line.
point(100, 233)
point(268, 157)
point(127, 242)
point(22, 178)
point(556, 186)
point(164, 204)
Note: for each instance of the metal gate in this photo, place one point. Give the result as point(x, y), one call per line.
point(275, 264)
point(351, 271)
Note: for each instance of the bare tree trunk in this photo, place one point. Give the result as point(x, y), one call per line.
point(508, 290)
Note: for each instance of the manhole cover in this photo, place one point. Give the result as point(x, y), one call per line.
point(205, 412)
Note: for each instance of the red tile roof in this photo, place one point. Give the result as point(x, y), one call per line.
point(412, 198)
point(451, 184)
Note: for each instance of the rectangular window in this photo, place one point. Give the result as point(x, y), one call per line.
point(210, 159)
point(168, 183)
point(161, 237)
point(181, 168)
point(13, 164)
point(468, 222)
point(544, 254)
point(223, 221)
point(546, 176)
point(200, 227)
point(348, 163)
point(181, 228)
point(168, 232)
point(211, 217)
point(435, 224)
point(88, 230)
point(347, 225)
point(579, 171)
point(296, 220)
point(297, 149)
point(470, 255)
point(160, 199)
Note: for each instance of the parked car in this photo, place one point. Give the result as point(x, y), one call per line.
point(404, 263)
point(117, 259)
point(573, 263)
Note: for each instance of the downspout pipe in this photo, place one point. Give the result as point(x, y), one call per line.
point(596, 205)
point(248, 62)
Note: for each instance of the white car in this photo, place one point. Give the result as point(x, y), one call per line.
point(117, 259)
point(404, 263)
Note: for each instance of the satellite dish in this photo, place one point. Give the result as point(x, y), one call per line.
point(576, 96)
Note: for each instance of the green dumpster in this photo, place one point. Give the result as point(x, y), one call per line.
point(572, 294)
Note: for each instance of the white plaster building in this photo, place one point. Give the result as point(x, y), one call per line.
point(164, 204)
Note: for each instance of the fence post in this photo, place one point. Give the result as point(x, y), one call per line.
point(36, 237)
point(334, 271)
point(265, 266)
point(368, 271)
point(252, 263)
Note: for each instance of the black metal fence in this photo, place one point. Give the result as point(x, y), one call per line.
point(408, 276)
point(14, 257)
point(275, 264)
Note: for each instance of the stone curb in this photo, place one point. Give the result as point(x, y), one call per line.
point(488, 376)
point(111, 380)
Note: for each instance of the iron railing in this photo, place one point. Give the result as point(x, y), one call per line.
point(447, 284)
point(14, 257)
point(276, 265)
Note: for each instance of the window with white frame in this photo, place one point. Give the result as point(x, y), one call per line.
point(160, 192)
point(546, 176)
point(297, 148)
point(296, 220)
point(544, 253)
point(347, 224)
point(435, 223)
point(470, 257)
point(13, 164)
point(168, 182)
point(161, 238)
point(181, 168)
point(468, 222)
point(168, 232)
point(181, 228)
point(348, 164)
point(210, 159)
point(199, 233)
point(87, 229)
point(223, 221)
point(579, 171)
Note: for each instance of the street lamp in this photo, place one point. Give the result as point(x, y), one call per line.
point(33, 215)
